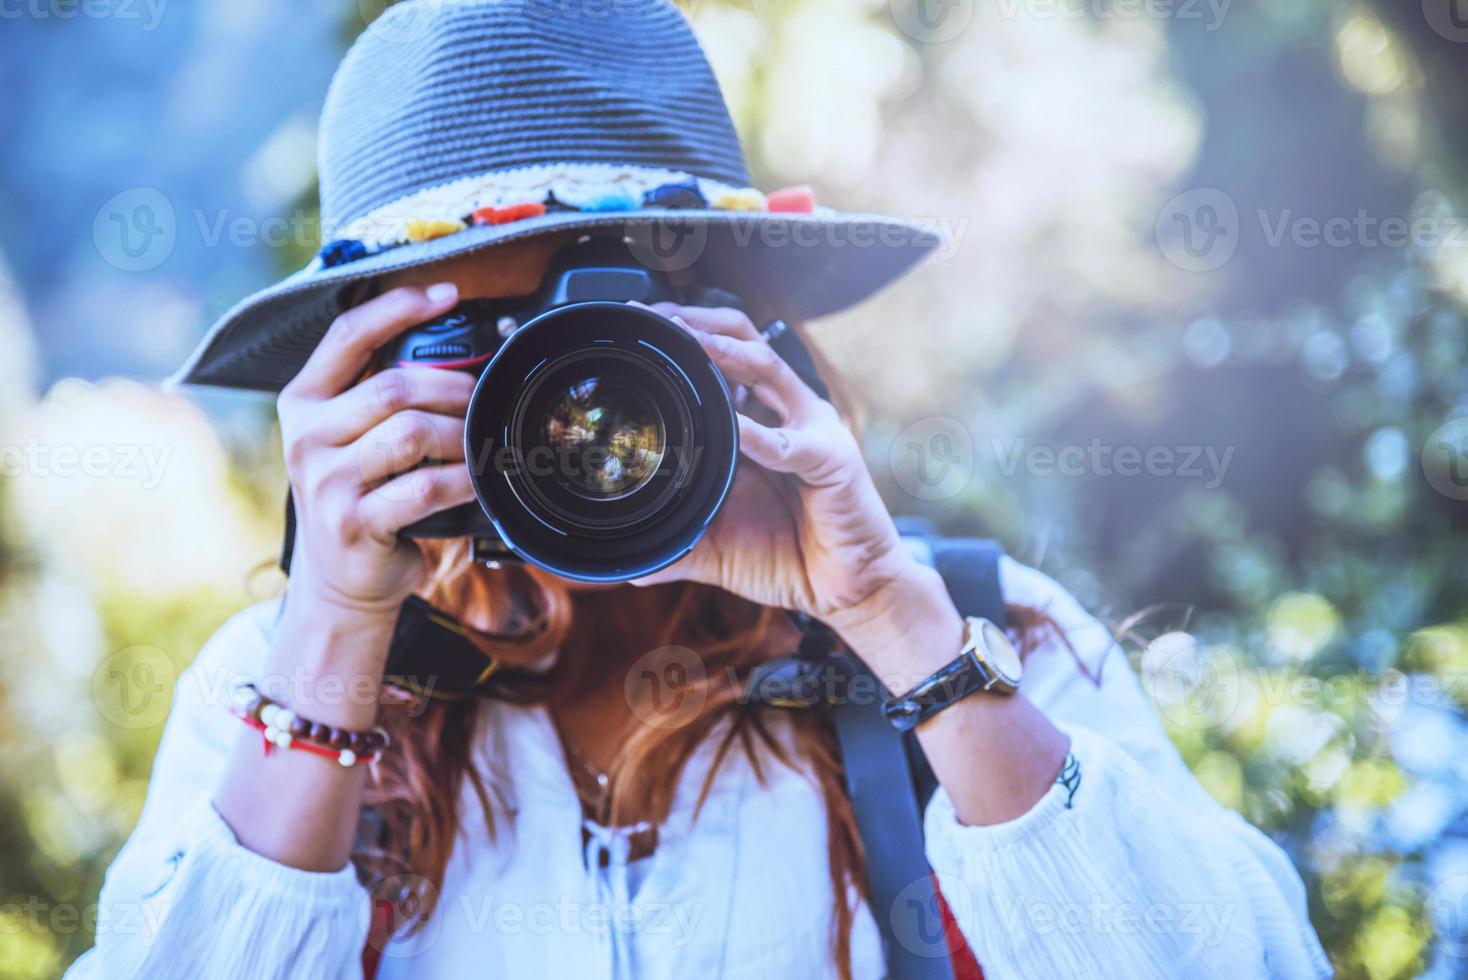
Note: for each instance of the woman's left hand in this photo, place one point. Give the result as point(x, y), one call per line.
point(804, 527)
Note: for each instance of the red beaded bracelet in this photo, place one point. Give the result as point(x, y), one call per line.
point(281, 727)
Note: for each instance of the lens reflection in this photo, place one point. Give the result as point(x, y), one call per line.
point(607, 436)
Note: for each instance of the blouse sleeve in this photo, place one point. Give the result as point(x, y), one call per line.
point(1139, 873)
point(183, 898)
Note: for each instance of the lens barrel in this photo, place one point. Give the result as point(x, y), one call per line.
point(601, 441)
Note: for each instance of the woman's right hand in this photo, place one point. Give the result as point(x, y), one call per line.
point(353, 448)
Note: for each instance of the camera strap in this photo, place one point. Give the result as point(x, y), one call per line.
point(431, 653)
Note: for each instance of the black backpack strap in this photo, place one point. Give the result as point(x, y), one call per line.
point(900, 886)
point(901, 890)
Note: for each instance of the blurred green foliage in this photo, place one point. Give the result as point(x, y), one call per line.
point(1305, 634)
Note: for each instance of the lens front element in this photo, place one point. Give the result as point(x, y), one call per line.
point(601, 441)
point(608, 435)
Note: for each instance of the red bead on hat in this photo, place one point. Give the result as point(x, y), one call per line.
point(508, 213)
point(793, 200)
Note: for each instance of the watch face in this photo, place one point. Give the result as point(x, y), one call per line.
point(999, 653)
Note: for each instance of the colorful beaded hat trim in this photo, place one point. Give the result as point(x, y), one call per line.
point(515, 195)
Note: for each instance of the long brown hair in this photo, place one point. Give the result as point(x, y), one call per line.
point(415, 799)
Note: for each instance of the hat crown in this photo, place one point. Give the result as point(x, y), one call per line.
point(439, 90)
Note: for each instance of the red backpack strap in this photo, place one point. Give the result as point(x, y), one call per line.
point(965, 963)
point(379, 931)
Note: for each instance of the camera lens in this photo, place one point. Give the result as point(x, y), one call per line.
point(601, 441)
point(600, 438)
point(608, 437)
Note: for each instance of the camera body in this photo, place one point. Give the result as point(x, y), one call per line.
point(600, 438)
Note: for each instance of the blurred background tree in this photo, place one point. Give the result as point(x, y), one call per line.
point(1176, 355)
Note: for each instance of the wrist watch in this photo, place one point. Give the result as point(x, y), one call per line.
point(988, 662)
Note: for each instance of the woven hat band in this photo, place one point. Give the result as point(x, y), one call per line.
point(581, 187)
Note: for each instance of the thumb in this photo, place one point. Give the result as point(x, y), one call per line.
point(692, 567)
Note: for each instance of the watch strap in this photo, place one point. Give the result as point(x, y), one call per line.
point(963, 676)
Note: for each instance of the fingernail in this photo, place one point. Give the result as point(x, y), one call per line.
point(442, 292)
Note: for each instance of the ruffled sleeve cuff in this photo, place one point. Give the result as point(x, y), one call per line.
point(201, 904)
point(1123, 881)
point(216, 842)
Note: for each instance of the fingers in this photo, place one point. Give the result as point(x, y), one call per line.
point(356, 335)
point(686, 569)
point(725, 321)
point(413, 496)
point(342, 420)
point(754, 364)
point(402, 441)
point(734, 343)
point(807, 454)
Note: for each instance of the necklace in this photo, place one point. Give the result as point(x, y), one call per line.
point(593, 784)
point(594, 790)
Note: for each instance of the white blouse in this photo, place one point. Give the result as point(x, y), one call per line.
point(1144, 876)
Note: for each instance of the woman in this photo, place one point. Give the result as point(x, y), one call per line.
point(558, 826)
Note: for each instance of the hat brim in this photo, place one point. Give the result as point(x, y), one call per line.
point(814, 264)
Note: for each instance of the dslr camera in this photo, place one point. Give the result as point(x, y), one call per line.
point(600, 438)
